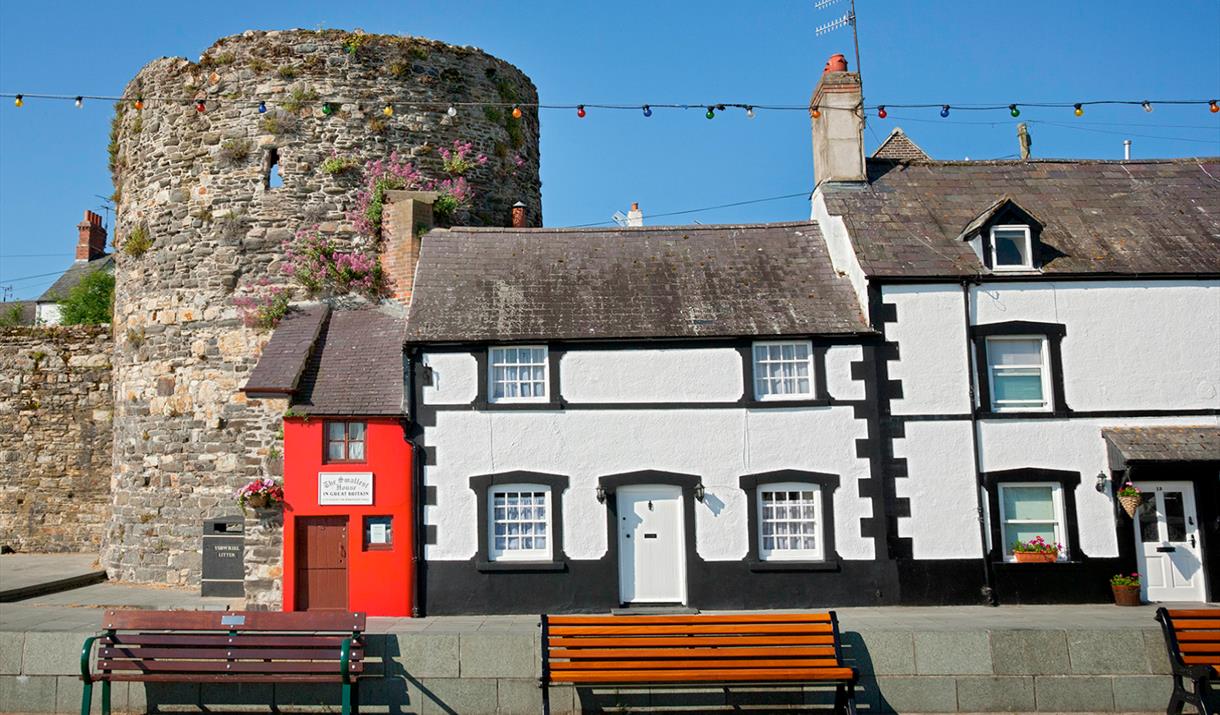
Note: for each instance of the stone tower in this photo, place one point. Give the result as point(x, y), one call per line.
point(201, 218)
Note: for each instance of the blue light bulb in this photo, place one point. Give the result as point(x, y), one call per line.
point(647, 111)
point(944, 111)
point(262, 107)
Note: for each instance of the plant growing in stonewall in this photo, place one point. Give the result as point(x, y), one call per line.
point(138, 242)
point(264, 307)
point(1036, 545)
point(260, 493)
point(318, 265)
point(1126, 580)
point(395, 173)
point(458, 161)
point(340, 164)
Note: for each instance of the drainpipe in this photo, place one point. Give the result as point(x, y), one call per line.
point(417, 491)
point(988, 573)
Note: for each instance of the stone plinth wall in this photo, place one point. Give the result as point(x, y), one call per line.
point(191, 193)
point(494, 670)
point(55, 438)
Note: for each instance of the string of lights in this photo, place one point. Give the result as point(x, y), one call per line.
point(201, 103)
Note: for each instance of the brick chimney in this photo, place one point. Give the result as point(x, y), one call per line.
point(405, 218)
point(837, 115)
point(519, 215)
point(92, 241)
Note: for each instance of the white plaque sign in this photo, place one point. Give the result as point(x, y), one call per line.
point(337, 488)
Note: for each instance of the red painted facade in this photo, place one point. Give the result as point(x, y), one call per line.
point(379, 580)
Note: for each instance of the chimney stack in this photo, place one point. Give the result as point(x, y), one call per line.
point(405, 218)
point(837, 114)
point(518, 215)
point(635, 217)
point(92, 241)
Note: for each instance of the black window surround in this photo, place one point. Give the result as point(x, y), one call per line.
point(483, 399)
point(557, 483)
point(821, 394)
point(1011, 214)
point(1067, 481)
point(1052, 332)
point(827, 483)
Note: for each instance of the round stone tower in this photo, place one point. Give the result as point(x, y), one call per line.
point(219, 163)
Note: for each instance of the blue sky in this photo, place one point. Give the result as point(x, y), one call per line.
point(53, 156)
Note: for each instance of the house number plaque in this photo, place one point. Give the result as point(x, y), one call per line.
point(339, 488)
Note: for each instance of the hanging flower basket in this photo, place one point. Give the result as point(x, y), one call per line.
point(258, 501)
point(260, 494)
point(1130, 503)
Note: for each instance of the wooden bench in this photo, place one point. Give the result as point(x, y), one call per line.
point(1192, 638)
point(780, 649)
point(226, 647)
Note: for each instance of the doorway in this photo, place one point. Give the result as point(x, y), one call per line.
point(651, 544)
point(321, 561)
point(1168, 547)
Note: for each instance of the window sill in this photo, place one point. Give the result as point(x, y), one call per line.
point(527, 566)
point(1021, 414)
point(829, 565)
point(804, 402)
point(549, 405)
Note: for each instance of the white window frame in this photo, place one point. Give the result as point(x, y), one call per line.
point(1045, 373)
point(1060, 521)
point(754, 372)
point(1029, 248)
point(544, 554)
point(491, 374)
point(818, 553)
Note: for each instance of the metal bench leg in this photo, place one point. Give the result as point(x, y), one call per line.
point(851, 699)
point(86, 698)
point(347, 699)
point(546, 699)
point(105, 697)
point(356, 697)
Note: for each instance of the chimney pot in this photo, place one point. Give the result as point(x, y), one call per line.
point(836, 63)
point(518, 215)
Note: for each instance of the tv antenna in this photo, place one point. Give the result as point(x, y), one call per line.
point(620, 218)
point(847, 18)
point(106, 207)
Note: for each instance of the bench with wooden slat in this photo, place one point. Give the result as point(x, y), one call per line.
point(1192, 638)
point(754, 649)
point(226, 647)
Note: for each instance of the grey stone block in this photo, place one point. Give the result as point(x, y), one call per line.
point(564, 700)
point(27, 694)
point(50, 653)
point(524, 697)
point(10, 653)
point(68, 691)
point(952, 653)
point(468, 696)
point(922, 694)
point(880, 652)
point(1154, 649)
point(995, 694)
point(1073, 694)
point(483, 654)
point(1139, 693)
point(396, 694)
point(867, 695)
point(426, 655)
point(1107, 652)
point(1030, 653)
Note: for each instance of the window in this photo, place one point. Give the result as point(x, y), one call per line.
point(1018, 373)
point(519, 523)
point(1011, 248)
point(344, 441)
point(1029, 510)
point(378, 533)
point(783, 371)
point(518, 374)
point(789, 519)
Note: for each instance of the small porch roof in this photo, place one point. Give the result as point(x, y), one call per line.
point(1163, 444)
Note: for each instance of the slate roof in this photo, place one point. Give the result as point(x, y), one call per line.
point(481, 284)
point(1151, 444)
point(352, 364)
point(899, 146)
point(73, 276)
point(1101, 217)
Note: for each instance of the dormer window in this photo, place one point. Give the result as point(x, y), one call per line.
point(1011, 248)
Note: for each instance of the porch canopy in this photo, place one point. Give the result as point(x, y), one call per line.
point(1162, 444)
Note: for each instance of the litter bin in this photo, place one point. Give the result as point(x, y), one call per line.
point(224, 549)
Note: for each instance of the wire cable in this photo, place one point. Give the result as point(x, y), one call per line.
point(705, 208)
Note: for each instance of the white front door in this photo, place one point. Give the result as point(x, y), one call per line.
point(1167, 543)
point(651, 545)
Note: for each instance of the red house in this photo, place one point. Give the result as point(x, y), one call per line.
point(348, 498)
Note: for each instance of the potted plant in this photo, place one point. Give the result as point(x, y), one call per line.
point(1036, 550)
point(1130, 497)
point(260, 494)
point(1126, 589)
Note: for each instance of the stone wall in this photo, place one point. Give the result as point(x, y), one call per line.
point(192, 186)
point(55, 437)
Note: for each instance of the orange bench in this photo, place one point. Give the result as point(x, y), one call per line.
point(1192, 638)
point(781, 649)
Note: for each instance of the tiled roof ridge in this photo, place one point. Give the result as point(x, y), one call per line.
point(1017, 162)
point(625, 229)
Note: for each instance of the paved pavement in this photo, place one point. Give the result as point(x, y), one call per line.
point(25, 575)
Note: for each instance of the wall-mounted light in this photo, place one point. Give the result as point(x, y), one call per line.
point(601, 494)
point(699, 491)
point(1101, 481)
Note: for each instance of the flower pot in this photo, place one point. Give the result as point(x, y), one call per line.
point(1036, 557)
point(1126, 595)
point(1130, 503)
point(258, 501)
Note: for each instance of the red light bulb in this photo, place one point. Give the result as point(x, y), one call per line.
point(881, 113)
point(580, 111)
point(200, 107)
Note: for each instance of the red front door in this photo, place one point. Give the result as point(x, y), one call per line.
point(321, 579)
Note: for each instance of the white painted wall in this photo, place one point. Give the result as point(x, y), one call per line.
point(838, 245)
point(47, 314)
point(931, 337)
point(455, 379)
point(941, 486)
point(667, 375)
point(838, 372)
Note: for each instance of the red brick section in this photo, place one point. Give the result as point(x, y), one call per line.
point(92, 241)
point(404, 221)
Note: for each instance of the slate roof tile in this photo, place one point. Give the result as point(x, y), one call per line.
point(1188, 444)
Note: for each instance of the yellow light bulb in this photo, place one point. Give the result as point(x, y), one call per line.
point(388, 111)
point(19, 101)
